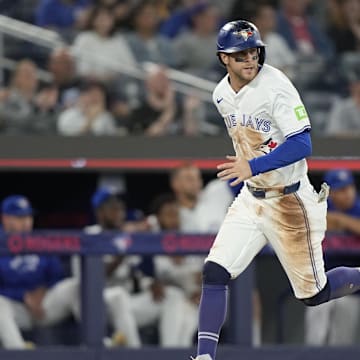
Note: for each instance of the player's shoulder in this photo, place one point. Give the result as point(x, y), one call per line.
point(221, 89)
point(274, 77)
point(275, 82)
point(93, 229)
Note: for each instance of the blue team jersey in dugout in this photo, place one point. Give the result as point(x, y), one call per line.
point(22, 273)
point(334, 261)
point(353, 211)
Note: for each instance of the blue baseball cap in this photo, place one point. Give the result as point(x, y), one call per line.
point(339, 178)
point(101, 195)
point(16, 205)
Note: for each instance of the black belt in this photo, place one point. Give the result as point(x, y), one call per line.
point(263, 193)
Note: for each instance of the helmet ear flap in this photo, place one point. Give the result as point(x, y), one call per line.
point(262, 53)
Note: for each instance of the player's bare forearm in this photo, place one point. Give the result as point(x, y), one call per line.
point(236, 168)
point(350, 223)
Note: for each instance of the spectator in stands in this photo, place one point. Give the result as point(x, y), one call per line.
point(301, 31)
point(16, 100)
point(65, 16)
point(200, 42)
point(245, 9)
point(344, 25)
point(149, 300)
point(90, 115)
point(33, 290)
point(121, 10)
point(144, 40)
point(344, 118)
point(197, 117)
point(156, 110)
point(180, 19)
point(336, 322)
point(180, 271)
point(99, 50)
point(62, 66)
point(278, 53)
point(18, 10)
point(23, 109)
point(46, 110)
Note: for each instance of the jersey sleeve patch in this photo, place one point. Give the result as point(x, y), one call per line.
point(301, 113)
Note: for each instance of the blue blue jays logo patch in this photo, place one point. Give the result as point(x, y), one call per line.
point(245, 34)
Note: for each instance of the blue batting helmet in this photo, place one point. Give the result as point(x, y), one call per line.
point(240, 35)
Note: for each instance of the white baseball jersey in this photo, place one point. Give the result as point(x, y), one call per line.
point(260, 117)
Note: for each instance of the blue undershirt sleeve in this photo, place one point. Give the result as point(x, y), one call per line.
point(294, 148)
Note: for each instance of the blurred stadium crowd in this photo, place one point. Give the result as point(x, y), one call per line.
point(115, 73)
point(87, 85)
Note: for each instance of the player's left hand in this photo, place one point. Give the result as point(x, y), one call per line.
point(237, 168)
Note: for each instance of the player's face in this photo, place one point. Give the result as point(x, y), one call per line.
point(188, 182)
point(242, 65)
point(343, 198)
point(13, 224)
point(169, 217)
point(112, 214)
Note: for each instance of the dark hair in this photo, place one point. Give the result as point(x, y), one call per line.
point(184, 165)
point(89, 84)
point(94, 12)
point(138, 8)
point(160, 201)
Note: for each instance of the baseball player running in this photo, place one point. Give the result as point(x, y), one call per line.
point(269, 128)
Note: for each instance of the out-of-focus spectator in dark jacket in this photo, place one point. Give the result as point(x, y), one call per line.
point(23, 109)
point(156, 110)
point(17, 9)
point(65, 16)
point(344, 24)
point(62, 67)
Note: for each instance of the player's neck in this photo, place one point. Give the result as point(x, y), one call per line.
point(236, 82)
point(187, 202)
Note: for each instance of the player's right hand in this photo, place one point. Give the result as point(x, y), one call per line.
point(33, 300)
point(237, 168)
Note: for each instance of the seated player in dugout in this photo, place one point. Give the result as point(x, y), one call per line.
point(270, 131)
point(33, 289)
point(336, 322)
point(344, 202)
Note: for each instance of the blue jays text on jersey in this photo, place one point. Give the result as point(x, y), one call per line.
point(247, 120)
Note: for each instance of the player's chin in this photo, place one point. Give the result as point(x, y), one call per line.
point(248, 73)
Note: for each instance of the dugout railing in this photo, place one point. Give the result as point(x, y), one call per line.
point(92, 247)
